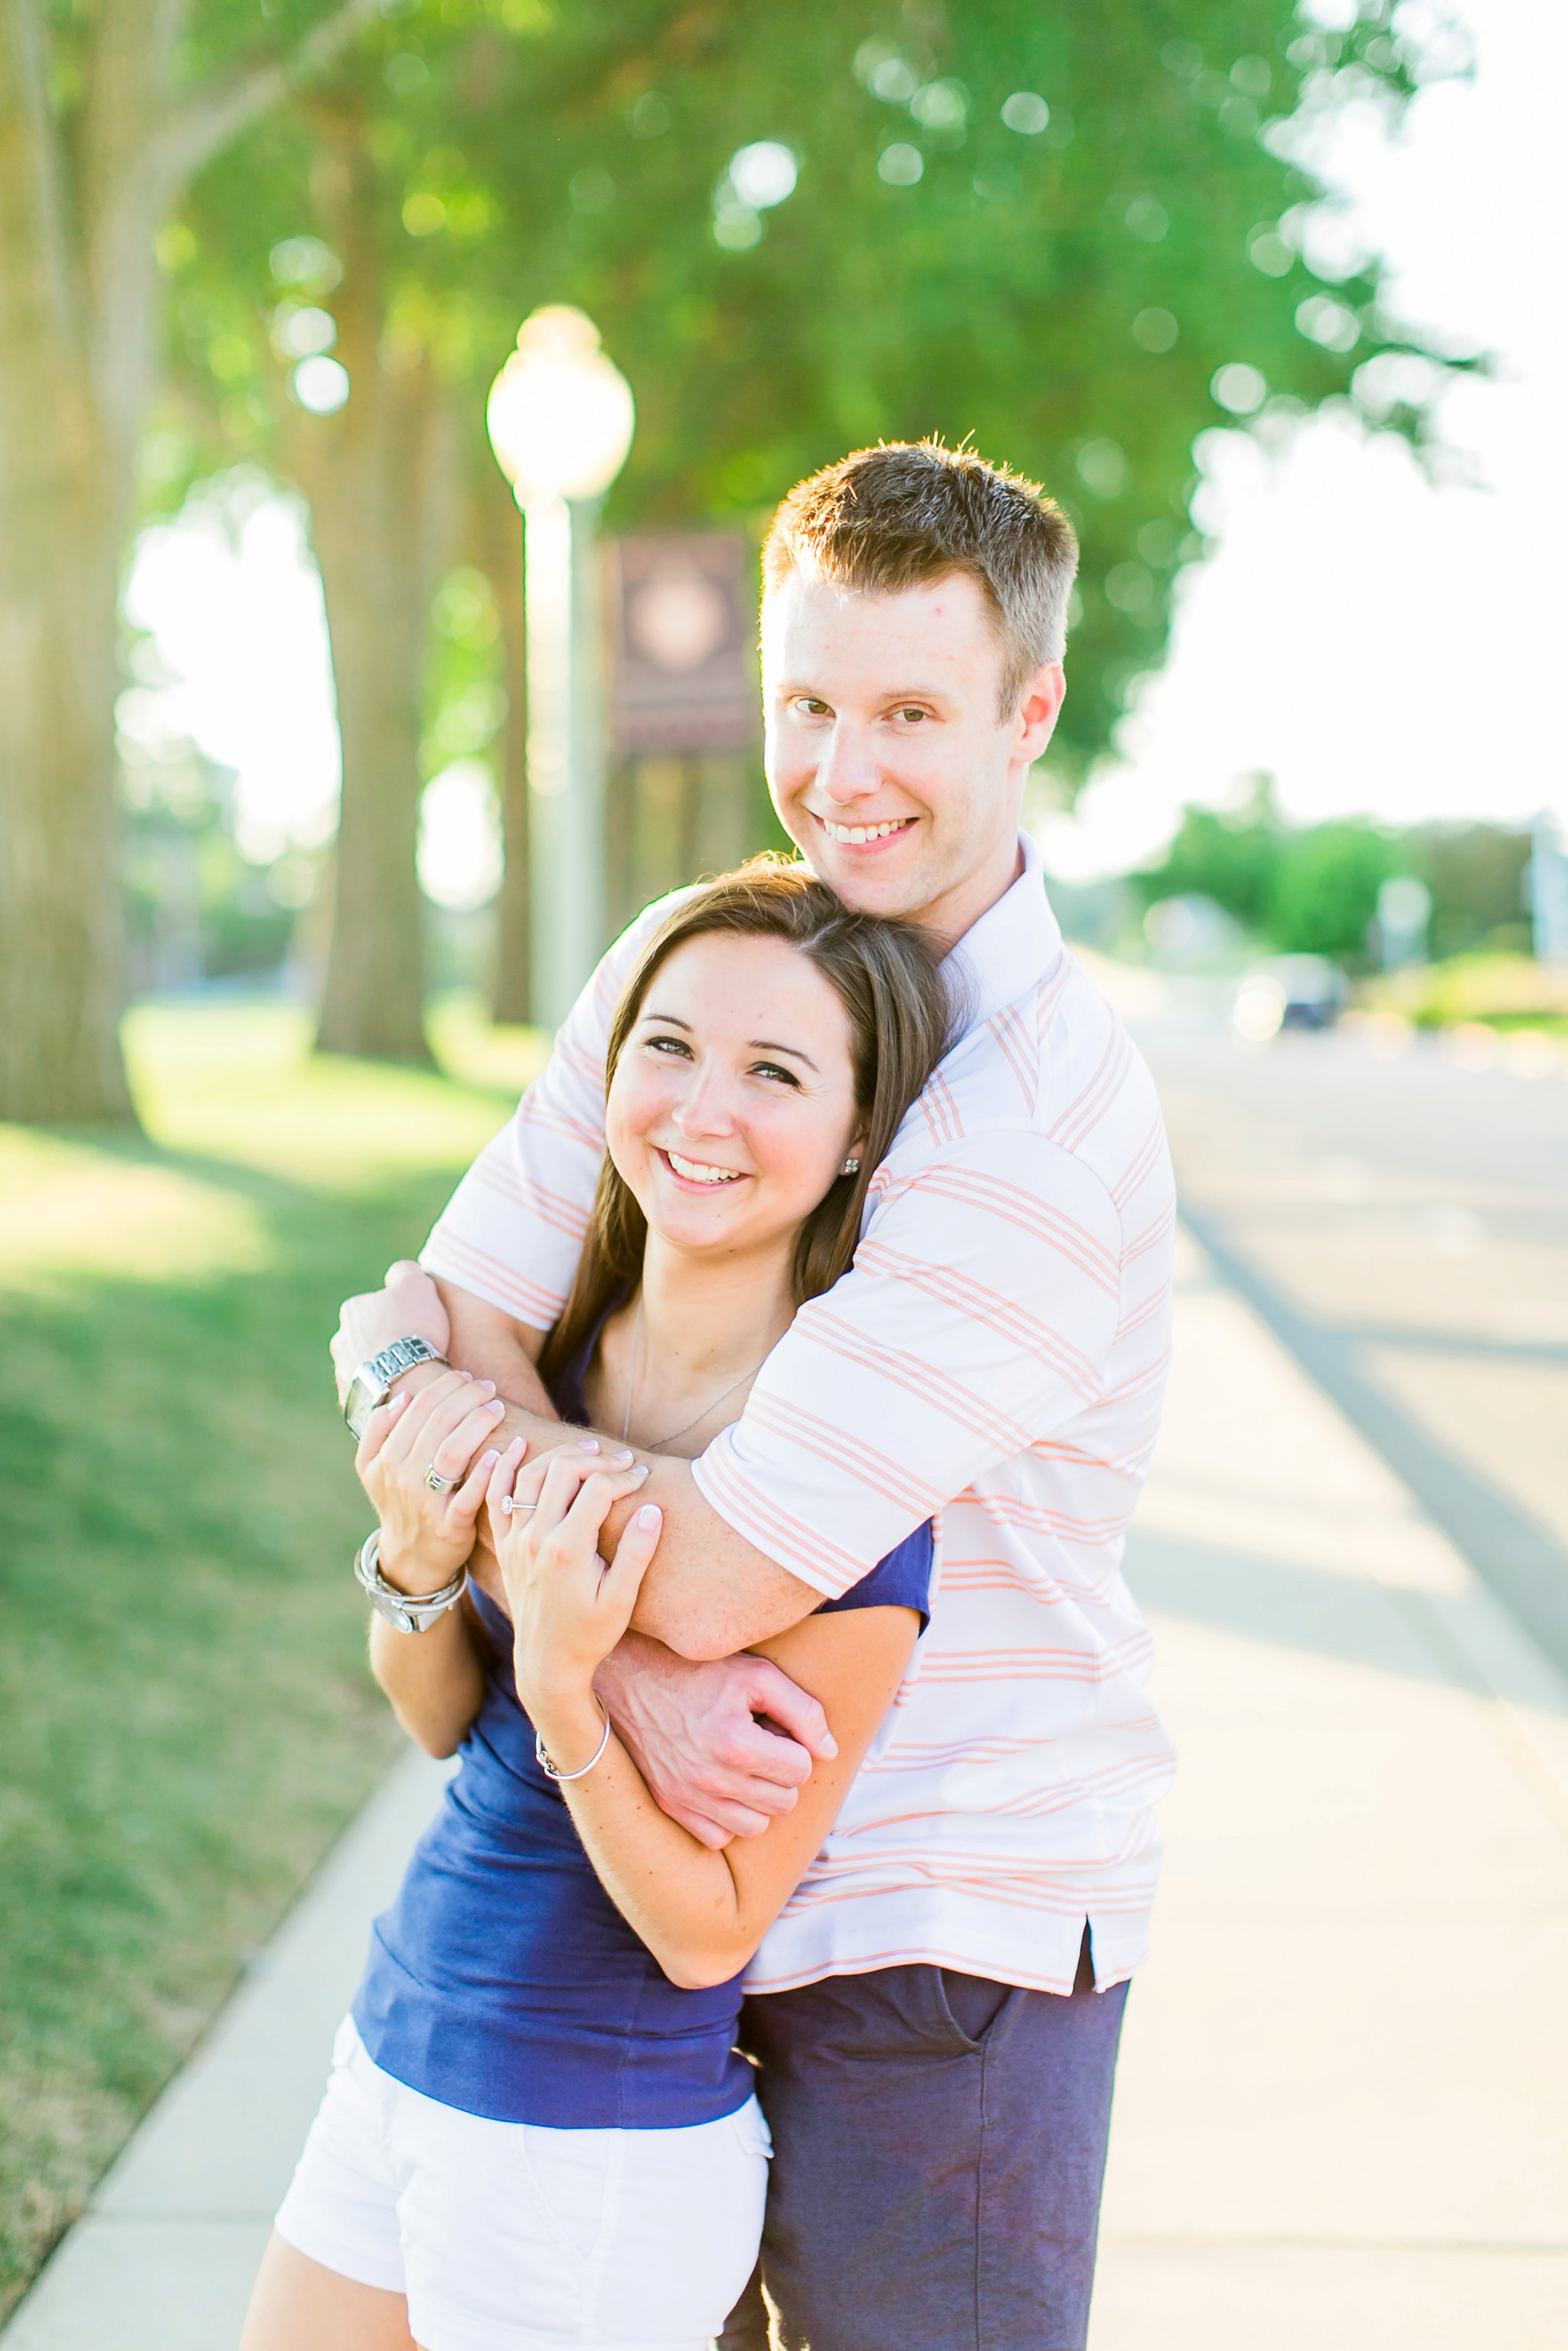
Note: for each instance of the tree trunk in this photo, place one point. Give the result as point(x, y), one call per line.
point(62, 509)
point(83, 186)
point(378, 476)
point(498, 553)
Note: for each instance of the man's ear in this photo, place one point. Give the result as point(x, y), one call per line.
point(1039, 707)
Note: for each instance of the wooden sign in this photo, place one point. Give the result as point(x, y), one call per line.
point(683, 631)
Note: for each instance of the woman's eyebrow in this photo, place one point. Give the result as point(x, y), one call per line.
point(670, 1020)
point(766, 1045)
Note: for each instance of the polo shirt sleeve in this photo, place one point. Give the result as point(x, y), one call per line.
point(978, 1320)
point(513, 1230)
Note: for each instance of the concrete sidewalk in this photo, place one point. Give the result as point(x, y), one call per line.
point(1343, 2114)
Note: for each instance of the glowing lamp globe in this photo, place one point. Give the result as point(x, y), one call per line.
point(560, 414)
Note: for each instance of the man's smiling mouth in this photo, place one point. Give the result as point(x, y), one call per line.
point(853, 835)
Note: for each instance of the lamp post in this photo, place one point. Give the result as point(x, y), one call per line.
point(560, 417)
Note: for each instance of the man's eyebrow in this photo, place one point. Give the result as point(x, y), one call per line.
point(792, 687)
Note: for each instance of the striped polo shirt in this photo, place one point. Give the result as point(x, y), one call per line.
point(994, 1362)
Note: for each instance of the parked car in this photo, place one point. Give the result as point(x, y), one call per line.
point(1290, 991)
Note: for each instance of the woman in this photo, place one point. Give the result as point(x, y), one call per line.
point(538, 2132)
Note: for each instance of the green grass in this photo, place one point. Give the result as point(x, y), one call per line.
point(1506, 992)
point(186, 1719)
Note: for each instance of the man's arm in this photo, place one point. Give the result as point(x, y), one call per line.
point(711, 1592)
point(724, 1744)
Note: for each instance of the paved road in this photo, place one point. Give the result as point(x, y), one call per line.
point(1397, 1210)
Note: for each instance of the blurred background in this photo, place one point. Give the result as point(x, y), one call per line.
point(316, 801)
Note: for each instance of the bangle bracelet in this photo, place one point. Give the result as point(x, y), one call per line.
point(549, 1768)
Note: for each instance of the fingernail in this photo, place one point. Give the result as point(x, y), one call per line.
point(464, 1375)
point(622, 1452)
point(589, 1444)
point(830, 1744)
point(640, 1470)
point(494, 1404)
point(489, 1460)
point(490, 1385)
point(649, 1517)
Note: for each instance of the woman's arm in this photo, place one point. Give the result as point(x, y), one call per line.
point(434, 1679)
point(701, 1914)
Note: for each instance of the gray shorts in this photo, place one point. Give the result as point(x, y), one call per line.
point(939, 2145)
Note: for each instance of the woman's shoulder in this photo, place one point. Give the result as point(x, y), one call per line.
point(900, 1580)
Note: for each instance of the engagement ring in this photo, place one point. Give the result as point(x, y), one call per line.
point(510, 1504)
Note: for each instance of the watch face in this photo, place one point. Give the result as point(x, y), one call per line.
point(359, 1405)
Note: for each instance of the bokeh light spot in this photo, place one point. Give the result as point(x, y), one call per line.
point(1155, 330)
point(321, 385)
point(899, 165)
point(1027, 112)
point(1241, 388)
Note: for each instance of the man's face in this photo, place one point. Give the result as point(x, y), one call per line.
point(887, 761)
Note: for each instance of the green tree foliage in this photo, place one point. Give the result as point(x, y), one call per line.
point(1324, 892)
point(1105, 226)
point(1313, 889)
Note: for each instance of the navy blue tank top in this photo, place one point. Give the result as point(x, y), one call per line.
point(504, 1982)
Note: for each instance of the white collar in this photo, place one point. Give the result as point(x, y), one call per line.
point(1010, 950)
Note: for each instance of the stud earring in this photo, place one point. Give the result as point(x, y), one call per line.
point(850, 1165)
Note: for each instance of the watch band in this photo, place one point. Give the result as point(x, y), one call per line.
point(410, 1611)
point(370, 1384)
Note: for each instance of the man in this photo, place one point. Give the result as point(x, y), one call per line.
point(937, 2021)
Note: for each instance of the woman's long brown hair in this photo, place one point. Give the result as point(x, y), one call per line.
point(884, 975)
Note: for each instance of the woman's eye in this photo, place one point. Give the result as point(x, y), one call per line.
point(772, 1070)
point(668, 1045)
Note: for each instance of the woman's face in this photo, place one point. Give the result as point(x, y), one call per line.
point(733, 1103)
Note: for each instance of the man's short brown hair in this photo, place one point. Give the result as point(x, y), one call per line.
point(907, 512)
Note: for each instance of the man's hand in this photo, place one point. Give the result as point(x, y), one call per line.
point(690, 1731)
point(409, 1307)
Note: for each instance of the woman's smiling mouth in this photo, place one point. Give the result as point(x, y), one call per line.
point(698, 1171)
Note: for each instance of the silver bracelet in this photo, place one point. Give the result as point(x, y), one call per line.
point(549, 1768)
point(410, 1611)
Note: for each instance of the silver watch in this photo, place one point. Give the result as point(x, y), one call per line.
point(409, 1612)
point(371, 1383)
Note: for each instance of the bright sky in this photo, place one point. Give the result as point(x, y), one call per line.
point(1380, 640)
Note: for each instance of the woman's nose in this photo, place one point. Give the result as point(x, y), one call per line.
point(706, 1106)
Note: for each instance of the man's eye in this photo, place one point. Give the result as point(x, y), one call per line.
point(810, 708)
point(914, 716)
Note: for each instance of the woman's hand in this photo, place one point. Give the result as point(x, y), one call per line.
point(426, 1535)
point(570, 1605)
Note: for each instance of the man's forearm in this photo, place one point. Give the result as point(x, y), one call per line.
point(492, 1347)
point(709, 1591)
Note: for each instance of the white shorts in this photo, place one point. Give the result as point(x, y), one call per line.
point(510, 2237)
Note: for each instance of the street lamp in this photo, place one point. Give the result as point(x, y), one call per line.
point(559, 417)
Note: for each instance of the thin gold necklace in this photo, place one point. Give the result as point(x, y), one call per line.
point(658, 1444)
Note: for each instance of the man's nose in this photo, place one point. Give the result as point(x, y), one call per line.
point(848, 772)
